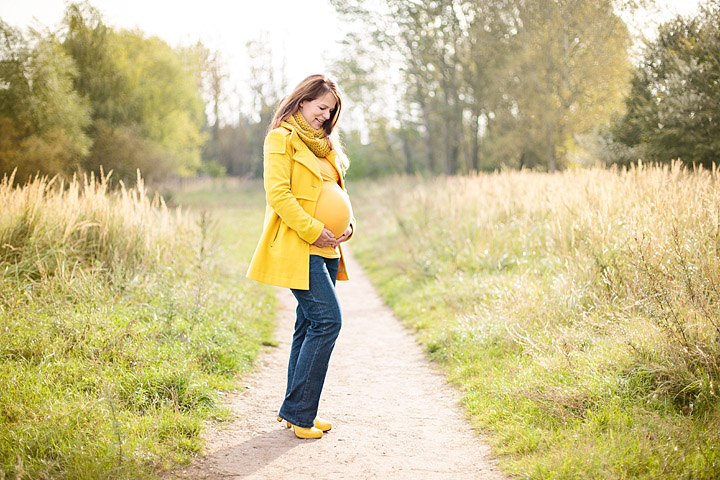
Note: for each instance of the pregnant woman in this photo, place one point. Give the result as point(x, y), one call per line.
point(308, 216)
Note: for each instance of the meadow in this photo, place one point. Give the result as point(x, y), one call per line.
point(124, 323)
point(578, 312)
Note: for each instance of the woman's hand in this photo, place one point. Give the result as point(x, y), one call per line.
point(345, 236)
point(326, 239)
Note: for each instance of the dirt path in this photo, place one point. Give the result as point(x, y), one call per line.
point(394, 416)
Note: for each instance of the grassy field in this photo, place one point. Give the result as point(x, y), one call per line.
point(123, 322)
point(578, 312)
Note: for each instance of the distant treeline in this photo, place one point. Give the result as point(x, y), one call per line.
point(438, 86)
point(88, 96)
point(479, 84)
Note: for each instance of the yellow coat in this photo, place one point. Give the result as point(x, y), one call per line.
point(292, 187)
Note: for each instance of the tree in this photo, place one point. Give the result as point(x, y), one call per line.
point(569, 76)
point(515, 81)
point(147, 110)
point(43, 119)
point(371, 137)
point(673, 109)
point(266, 92)
point(212, 78)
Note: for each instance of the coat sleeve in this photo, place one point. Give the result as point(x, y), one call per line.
point(277, 171)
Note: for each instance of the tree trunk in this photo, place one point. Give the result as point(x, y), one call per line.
point(475, 143)
point(406, 151)
point(429, 150)
point(551, 150)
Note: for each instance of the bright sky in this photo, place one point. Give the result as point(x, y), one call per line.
point(304, 34)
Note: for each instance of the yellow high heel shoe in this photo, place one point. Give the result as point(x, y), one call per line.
point(320, 424)
point(302, 432)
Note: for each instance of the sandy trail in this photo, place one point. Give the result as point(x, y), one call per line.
point(394, 416)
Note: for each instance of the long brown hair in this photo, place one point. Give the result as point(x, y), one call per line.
point(312, 88)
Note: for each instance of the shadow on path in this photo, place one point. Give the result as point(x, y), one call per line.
point(245, 459)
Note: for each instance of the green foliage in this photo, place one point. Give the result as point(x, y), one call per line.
point(122, 320)
point(567, 76)
point(375, 158)
point(674, 103)
point(93, 97)
point(43, 118)
point(577, 312)
point(234, 146)
point(125, 150)
point(90, 43)
point(484, 83)
point(147, 109)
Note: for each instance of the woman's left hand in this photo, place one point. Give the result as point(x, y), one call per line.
point(345, 236)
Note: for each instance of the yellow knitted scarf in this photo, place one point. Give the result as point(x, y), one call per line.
point(316, 140)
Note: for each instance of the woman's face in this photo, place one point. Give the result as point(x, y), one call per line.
point(317, 111)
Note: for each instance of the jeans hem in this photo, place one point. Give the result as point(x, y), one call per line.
point(286, 419)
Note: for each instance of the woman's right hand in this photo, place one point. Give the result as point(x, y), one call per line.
point(326, 239)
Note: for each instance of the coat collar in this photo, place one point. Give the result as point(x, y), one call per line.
point(305, 156)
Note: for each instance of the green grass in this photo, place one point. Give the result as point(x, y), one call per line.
point(122, 322)
point(577, 311)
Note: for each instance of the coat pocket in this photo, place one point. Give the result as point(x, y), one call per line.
point(276, 234)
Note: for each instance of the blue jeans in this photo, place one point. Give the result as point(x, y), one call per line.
point(317, 326)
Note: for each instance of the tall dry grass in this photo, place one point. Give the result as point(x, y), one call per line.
point(49, 227)
point(121, 321)
point(565, 298)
